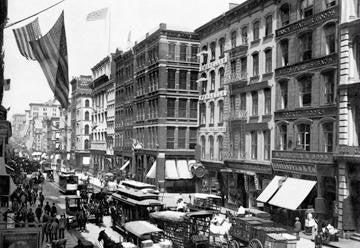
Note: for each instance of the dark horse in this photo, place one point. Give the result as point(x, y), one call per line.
point(108, 242)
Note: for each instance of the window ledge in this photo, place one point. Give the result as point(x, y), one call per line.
point(268, 38)
point(212, 91)
point(211, 125)
point(254, 79)
point(220, 124)
point(202, 125)
point(221, 88)
point(254, 117)
point(267, 75)
point(255, 42)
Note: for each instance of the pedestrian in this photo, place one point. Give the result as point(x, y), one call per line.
point(54, 229)
point(47, 207)
point(79, 220)
point(38, 213)
point(53, 210)
point(41, 198)
point(318, 239)
point(62, 224)
point(48, 231)
point(84, 218)
point(297, 227)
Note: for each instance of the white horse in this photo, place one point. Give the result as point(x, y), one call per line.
point(219, 226)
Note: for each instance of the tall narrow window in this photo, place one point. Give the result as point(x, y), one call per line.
point(305, 91)
point(284, 48)
point(182, 108)
point(194, 51)
point(242, 102)
point(193, 80)
point(193, 108)
point(212, 113)
point(285, 14)
point(87, 116)
point(222, 47)
point(268, 26)
point(202, 114)
point(220, 142)
point(306, 8)
point(303, 137)
point(329, 78)
point(255, 57)
point(232, 104)
point(268, 61)
point(87, 103)
point(283, 137)
point(233, 69)
point(182, 79)
point(204, 55)
point(283, 94)
point(86, 129)
point(183, 52)
point(244, 35)
point(170, 137)
point(328, 130)
point(221, 78)
point(253, 145)
point(256, 30)
point(243, 68)
point(211, 144)
point(254, 96)
point(233, 39)
point(267, 102)
point(212, 50)
point(182, 137)
point(171, 79)
point(203, 147)
point(329, 31)
point(86, 144)
point(212, 81)
point(305, 46)
point(267, 139)
point(221, 112)
point(172, 51)
point(192, 138)
point(170, 107)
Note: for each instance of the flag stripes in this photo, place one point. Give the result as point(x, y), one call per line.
point(51, 53)
point(26, 34)
point(97, 15)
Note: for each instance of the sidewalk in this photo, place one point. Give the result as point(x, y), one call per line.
point(342, 243)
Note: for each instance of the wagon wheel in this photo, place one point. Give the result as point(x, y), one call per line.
point(255, 243)
point(234, 244)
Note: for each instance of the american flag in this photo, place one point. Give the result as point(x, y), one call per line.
point(97, 15)
point(51, 53)
point(26, 34)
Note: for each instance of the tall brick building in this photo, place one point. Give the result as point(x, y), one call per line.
point(166, 95)
point(305, 109)
point(347, 153)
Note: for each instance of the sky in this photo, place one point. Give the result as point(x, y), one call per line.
point(88, 41)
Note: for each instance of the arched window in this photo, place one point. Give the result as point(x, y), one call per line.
point(303, 136)
point(305, 91)
point(86, 129)
point(86, 144)
point(204, 55)
point(283, 86)
point(203, 81)
point(256, 30)
point(212, 110)
point(221, 112)
point(285, 14)
point(211, 144)
point(233, 39)
point(283, 137)
point(220, 142)
point(268, 25)
point(222, 47)
point(255, 57)
point(305, 46)
point(268, 60)
point(221, 76)
point(284, 49)
point(87, 117)
point(212, 80)
point(329, 83)
point(202, 114)
point(328, 136)
point(330, 37)
point(244, 35)
point(87, 103)
point(203, 147)
point(212, 50)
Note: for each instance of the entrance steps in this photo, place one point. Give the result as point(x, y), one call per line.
point(355, 236)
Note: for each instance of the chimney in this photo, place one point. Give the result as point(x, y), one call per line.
point(162, 26)
point(232, 5)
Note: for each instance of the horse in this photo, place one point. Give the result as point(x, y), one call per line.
point(107, 241)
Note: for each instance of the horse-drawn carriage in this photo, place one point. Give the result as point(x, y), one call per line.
point(203, 201)
point(184, 229)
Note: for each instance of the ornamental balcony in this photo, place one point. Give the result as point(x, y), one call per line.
point(238, 51)
point(328, 14)
point(311, 64)
point(303, 156)
point(347, 152)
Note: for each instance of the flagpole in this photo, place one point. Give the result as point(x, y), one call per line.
point(109, 30)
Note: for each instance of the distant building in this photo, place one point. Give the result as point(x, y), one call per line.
point(80, 112)
point(18, 124)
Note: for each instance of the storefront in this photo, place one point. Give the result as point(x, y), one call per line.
point(244, 181)
point(208, 178)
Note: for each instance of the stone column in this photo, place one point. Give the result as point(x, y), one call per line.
point(145, 170)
